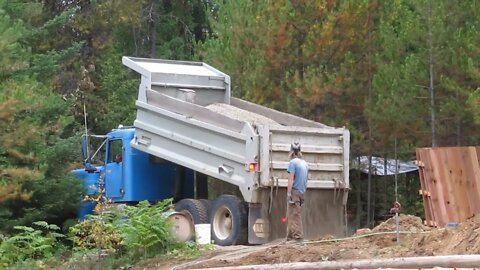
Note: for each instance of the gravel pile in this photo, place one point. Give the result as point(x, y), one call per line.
point(241, 115)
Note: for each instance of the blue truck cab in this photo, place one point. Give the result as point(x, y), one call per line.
point(128, 175)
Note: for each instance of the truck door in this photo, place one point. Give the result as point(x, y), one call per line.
point(114, 169)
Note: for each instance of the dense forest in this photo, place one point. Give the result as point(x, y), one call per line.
point(398, 74)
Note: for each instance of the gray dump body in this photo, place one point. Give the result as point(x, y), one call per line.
point(185, 114)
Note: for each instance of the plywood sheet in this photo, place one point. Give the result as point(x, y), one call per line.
point(425, 192)
point(450, 182)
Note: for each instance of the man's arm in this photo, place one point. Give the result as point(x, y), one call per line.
point(291, 175)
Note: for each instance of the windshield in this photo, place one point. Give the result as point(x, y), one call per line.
point(96, 149)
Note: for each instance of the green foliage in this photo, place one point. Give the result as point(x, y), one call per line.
point(30, 244)
point(14, 55)
point(129, 234)
point(33, 119)
point(51, 25)
point(302, 57)
point(53, 200)
point(96, 232)
point(240, 53)
point(164, 29)
point(118, 90)
point(146, 229)
point(474, 104)
point(412, 38)
point(34, 179)
point(48, 64)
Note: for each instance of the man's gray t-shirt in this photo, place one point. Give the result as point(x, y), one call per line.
point(300, 168)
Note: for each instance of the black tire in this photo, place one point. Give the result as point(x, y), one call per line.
point(194, 208)
point(206, 203)
point(228, 218)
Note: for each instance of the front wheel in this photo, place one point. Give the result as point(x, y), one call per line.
point(228, 218)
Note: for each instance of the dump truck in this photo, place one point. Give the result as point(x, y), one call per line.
point(222, 159)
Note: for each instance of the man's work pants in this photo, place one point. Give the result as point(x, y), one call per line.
point(295, 226)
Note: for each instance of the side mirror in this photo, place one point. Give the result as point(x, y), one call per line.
point(85, 155)
point(89, 167)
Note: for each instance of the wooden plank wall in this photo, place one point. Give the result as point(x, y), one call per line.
point(450, 183)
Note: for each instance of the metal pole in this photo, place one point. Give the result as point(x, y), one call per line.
point(86, 129)
point(396, 192)
point(369, 190)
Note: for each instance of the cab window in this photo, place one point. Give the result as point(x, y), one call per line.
point(115, 151)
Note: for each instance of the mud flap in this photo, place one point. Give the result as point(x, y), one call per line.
point(258, 227)
point(344, 203)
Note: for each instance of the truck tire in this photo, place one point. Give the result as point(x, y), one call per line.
point(228, 218)
point(195, 210)
point(206, 203)
point(183, 228)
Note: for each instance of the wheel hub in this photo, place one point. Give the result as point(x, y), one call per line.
point(222, 223)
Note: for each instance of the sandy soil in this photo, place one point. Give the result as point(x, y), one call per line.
point(415, 240)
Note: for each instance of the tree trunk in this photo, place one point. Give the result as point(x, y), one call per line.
point(370, 131)
point(431, 87)
point(153, 28)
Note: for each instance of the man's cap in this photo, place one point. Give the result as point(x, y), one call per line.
point(295, 146)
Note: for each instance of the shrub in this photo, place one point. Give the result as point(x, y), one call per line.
point(96, 232)
point(141, 229)
point(146, 228)
point(30, 244)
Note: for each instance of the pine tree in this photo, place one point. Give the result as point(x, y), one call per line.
point(33, 119)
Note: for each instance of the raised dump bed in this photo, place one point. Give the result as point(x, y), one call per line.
point(186, 115)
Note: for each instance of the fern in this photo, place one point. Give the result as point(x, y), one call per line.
point(146, 229)
point(143, 229)
point(29, 244)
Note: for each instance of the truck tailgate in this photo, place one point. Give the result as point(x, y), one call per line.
point(326, 151)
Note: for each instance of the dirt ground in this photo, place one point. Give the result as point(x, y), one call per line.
point(415, 240)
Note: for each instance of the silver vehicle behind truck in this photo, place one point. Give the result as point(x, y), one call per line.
point(186, 115)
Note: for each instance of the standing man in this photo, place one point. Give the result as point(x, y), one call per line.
point(297, 185)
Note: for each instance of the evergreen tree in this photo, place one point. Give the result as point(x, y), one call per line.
point(33, 120)
point(303, 57)
point(422, 83)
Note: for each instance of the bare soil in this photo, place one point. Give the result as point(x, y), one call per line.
point(415, 240)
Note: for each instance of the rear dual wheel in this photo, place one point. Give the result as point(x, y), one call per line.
point(194, 208)
point(206, 203)
point(227, 215)
point(228, 218)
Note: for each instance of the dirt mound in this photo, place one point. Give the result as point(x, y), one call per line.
point(464, 239)
point(407, 223)
point(415, 240)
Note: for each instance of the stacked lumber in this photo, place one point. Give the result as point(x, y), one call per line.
point(450, 183)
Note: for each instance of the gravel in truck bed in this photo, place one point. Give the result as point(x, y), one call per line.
point(240, 114)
